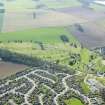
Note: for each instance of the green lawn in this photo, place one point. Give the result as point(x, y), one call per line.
point(73, 101)
point(46, 35)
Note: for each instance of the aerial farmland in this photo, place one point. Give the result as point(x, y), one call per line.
point(52, 52)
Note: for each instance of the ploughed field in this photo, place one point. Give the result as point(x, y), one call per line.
point(91, 34)
point(7, 69)
point(26, 14)
point(20, 20)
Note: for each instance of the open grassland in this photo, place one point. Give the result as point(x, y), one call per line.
point(73, 101)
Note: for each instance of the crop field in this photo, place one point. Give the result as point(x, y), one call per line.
point(26, 4)
point(16, 21)
point(62, 4)
point(46, 35)
point(85, 13)
point(25, 14)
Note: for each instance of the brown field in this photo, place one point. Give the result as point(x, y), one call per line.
point(15, 21)
point(84, 13)
point(93, 35)
point(7, 69)
point(20, 20)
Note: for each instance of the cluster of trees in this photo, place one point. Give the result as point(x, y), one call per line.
point(102, 93)
point(64, 39)
point(74, 58)
point(79, 27)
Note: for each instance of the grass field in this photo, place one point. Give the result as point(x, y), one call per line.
point(46, 35)
point(26, 4)
point(73, 101)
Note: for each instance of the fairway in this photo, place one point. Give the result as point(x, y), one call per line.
point(46, 35)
